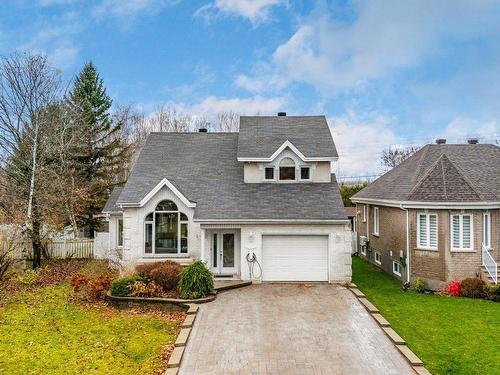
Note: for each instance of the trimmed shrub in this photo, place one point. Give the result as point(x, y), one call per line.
point(472, 288)
point(142, 289)
point(493, 292)
point(165, 274)
point(419, 285)
point(121, 287)
point(453, 288)
point(196, 281)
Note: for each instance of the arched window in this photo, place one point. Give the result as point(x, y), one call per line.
point(287, 169)
point(166, 230)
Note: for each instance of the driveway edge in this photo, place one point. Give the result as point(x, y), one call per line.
point(175, 359)
point(397, 341)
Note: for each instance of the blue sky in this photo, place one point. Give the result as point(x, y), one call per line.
point(384, 73)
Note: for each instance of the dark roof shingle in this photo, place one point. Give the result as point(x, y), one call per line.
point(111, 206)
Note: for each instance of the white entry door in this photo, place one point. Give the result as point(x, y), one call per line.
point(295, 258)
point(223, 252)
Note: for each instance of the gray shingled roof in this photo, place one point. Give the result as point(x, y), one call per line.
point(111, 206)
point(204, 167)
point(261, 136)
point(442, 173)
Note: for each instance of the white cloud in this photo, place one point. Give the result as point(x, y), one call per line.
point(63, 56)
point(244, 106)
point(126, 8)
point(254, 10)
point(46, 3)
point(461, 129)
point(383, 38)
point(360, 142)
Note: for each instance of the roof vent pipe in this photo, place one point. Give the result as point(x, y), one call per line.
point(281, 114)
point(440, 141)
point(473, 141)
point(202, 130)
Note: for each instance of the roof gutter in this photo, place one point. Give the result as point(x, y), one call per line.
point(271, 221)
point(423, 204)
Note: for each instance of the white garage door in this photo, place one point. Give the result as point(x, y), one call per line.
point(295, 258)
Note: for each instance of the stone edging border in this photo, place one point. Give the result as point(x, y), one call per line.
point(398, 342)
point(175, 359)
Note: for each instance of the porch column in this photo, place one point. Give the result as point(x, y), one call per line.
point(203, 245)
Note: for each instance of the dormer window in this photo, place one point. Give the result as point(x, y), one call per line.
point(269, 173)
point(305, 173)
point(287, 170)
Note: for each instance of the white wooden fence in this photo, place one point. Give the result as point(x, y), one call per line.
point(79, 248)
point(354, 242)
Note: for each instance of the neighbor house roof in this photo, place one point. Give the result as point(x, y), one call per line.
point(204, 168)
point(111, 206)
point(261, 136)
point(442, 173)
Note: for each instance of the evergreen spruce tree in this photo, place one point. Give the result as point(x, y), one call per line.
point(100, 151)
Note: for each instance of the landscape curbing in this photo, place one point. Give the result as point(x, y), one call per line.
point(398, 342)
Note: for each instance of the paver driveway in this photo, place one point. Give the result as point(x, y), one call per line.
point(289, 329)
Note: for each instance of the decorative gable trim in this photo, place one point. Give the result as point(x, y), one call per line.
point(295, 150)
point(156, 189)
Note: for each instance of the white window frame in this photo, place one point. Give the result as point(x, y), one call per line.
point(394, 271)
point(460, 232)
point(364, 213)
point(378, 255)
point(427, 245)
point(300, 173)
point(119, 233)
point(274, 174)
point(363, 250)
point(487, 238)
point(376, 221)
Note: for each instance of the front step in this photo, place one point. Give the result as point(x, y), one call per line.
point(485, 276)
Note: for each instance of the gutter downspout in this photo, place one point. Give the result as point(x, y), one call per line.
point(408, 255)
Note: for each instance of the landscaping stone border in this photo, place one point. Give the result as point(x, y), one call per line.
point(398, 342)
point(175, 359)
point(165, 304)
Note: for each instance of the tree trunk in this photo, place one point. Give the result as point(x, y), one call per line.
point(36, 243)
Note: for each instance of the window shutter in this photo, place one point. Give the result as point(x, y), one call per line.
point(466, 232)
point(455, 232)
point(423, 230)
point(432, 230)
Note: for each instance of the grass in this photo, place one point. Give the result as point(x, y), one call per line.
point(45, 331)
point(451, 335)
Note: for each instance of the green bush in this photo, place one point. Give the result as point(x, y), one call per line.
point(121, 287)
point(493, 292)
point(419, 285)
point(472, 288)
point(196, 281)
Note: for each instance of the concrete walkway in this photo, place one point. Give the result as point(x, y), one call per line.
point(289, 329)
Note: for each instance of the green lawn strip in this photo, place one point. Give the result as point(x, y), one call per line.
point(43, 332)
point(451, 335)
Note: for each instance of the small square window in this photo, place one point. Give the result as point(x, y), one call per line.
point(269, 173)
point(305, 173)
point(378, 258)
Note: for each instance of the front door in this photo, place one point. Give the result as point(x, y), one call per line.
point(223, 253)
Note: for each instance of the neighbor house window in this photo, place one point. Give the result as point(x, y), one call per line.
point(376, 221)
point(305, 173)
point(166, 230)
point(363, 250)
point(120, 232)
point(378, 257)
point(396, 268)
point(287, 169)
point(461, 232)
point(269, 173)
point(427, 231)
point(364, 213)
point(487, 229)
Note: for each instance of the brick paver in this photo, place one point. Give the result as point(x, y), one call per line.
point(289, 329)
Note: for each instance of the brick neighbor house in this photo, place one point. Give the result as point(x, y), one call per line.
point(435, 216)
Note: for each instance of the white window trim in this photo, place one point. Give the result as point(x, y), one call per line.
point(300, 173)
point(363, 250)
point(274, 173)
point(379, 256)
point(428, 234)
point(364, 213)
point(118, 233)
point(460, 233)
point(394, 268)
point(488, 215)
point(376, 222)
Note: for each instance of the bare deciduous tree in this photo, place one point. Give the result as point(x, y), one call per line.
point(228, 121)
point(392, 157)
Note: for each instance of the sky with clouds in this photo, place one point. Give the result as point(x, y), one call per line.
point(384, 73)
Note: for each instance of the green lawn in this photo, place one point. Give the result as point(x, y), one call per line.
point(451, 335)
point(44, 331)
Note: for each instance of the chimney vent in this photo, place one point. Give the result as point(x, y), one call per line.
point(473, 141)
point(202, 130)
point(281, 114)
point(440, 141)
